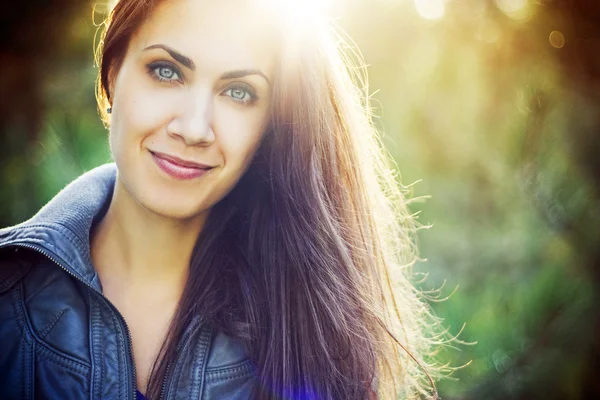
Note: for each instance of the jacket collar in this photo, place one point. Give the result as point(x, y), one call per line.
point(61, 229)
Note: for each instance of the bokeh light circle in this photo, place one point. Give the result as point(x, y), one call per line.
point(557, 39)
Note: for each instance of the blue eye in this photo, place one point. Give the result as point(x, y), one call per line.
point(241, 94)
point(238, 94)
point(164, 72)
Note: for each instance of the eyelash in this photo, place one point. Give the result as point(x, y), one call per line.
point(154, 72)
point(252, 97)
point(155, 67)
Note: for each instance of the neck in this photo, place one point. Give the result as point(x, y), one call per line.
point(141, 249)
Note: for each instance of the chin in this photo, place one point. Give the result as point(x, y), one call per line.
point(171, 207)
point(177, 211)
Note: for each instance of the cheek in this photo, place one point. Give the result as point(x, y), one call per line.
point(239, 133)
point(138, 109)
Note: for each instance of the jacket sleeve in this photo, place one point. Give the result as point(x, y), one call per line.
point(15, 352)
point(44, 339)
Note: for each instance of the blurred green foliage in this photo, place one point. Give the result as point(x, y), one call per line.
point(479, 105)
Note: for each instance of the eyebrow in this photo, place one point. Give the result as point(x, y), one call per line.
point(187, 62)
point(180, 58)
point(240, 73)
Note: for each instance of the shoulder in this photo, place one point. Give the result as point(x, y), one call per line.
point(225, 352)
point(15, 263)
point(43, 305)
point(228, 369)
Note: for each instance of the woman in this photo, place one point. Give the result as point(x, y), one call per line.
point(248, 242)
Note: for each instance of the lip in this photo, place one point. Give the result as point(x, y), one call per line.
point(179, 161)
point(178, 168)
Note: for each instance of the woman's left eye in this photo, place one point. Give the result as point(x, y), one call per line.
point(239, 94)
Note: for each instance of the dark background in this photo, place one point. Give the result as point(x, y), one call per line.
point(491, 109)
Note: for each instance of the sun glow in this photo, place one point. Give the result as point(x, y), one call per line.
point(302, 9)
point(515, 9)
point(298, 13)
point(430, 9)
point(299, 18)
point(511, 6)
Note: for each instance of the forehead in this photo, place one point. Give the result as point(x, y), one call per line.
point(219, 34)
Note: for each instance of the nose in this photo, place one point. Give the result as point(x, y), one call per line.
point(193, 122)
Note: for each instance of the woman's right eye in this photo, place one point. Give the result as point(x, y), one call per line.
point(164, 72)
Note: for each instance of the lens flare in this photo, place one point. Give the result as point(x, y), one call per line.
point(299, 10)
point(430, 9)
point(511, 6)
point(516, 9)
point(557, 39)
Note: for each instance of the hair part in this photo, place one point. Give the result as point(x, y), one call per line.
point(308, 259)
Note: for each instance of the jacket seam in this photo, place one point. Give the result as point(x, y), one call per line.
point(179, 366)
point(31, 384)
point(228, 378)
point(121, 348)
point(67, 364)
point(25, 387)
point(96, 344)
point(59, 252)
point(223, 373)
point(30, 331)
point(226, 368)
point(204, 345)
point(44, 332)
point(39, 289)
point(21, 320)
point(57, 227)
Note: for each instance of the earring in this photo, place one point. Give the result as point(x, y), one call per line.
point(109, 110)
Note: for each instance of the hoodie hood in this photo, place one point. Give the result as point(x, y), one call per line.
point(61, 229)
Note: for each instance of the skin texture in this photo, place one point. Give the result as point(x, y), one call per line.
point(142, 247)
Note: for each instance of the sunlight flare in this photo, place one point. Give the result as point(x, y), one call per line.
point(430, 9)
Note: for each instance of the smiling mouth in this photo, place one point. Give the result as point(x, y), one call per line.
point(178, 168)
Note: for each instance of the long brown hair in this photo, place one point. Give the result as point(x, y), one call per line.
point(307, 260)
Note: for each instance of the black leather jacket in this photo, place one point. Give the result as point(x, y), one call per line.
point(60, 338)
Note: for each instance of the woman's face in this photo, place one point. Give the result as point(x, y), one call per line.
point(194, 88)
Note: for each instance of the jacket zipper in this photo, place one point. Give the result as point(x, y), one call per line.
point(180, 346)
point(122, 320)
point(164, 384)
